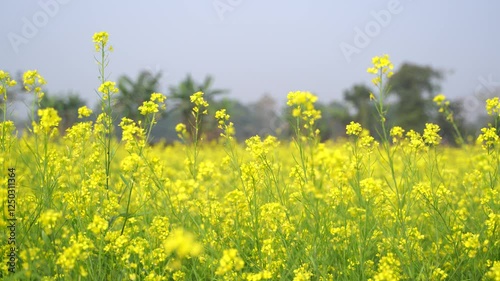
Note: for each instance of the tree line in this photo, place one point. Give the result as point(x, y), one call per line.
point(410, 106)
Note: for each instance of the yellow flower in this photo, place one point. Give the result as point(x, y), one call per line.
point(439, 99)
point(48, 220)
point(222, 116)
point(229, 261)
point(5, 82)
point(415, 140)
point(84, 111)
point(381, 66)
point(396, 133)
point(100, 40)
point(388, 269)
point(180, 128)
point(493, 106)
point(494, 272)
point(158, 97)
point(471, 243)
point(302, 104)
point(302, 273)
point(98, 225)
point(431, 136)
point(79, 250)
point(353, 129)
point(488, 137)
point(107, 88)
point(148, 107)
point(48, 119)
point(199, 102)
point(182, 243)
point(32, 80)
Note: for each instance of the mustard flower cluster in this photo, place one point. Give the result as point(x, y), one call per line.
point(430, 135)
point(33, 81)
point(108, 88)
point(5, 82)
point(156, 102)
point(230, 261)
point(444, 106)
point(382, 66)
point(181, 130)
point(493, 106)
point(302, 273)
point(353, 129)
point(100, 40)
point(200, 104)
point(397, 134)
point(133, 135)
point(263, 210)
point(98, 225)
point(49, 219)
point(223, 124)
point(84, 111)
point(182, 243)
point(488, 137)
point(49, 120)
point(388, 269)
point(494, 272)
point(79, 250)
point(260, 148)
point(302, 104)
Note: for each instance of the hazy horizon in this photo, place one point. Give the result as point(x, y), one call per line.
point(255, 47)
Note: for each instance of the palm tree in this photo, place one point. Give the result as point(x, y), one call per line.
point(182, 93)
point(133, 93)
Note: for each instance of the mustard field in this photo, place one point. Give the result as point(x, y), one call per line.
point(392, 205)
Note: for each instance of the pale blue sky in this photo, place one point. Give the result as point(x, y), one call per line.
point(253, 47)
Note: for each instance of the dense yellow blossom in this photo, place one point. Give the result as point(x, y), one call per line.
point(101, 40)
point(84, 111)
point(5, 82)
point(90, 205)
point(354, 129)
point(108, 88)
point(382, 66)
point(49, 119)
point(229, 261)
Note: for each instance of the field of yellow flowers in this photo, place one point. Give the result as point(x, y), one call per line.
point(86, 206)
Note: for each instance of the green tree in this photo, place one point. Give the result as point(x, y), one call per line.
point(133, 93)
point(334, 117)
point(181, 96)
point(414, 86)
point(359, 98)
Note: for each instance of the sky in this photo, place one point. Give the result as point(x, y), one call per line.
point(255, 47)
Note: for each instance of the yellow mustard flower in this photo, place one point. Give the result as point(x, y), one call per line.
point(230, 261)
point(100, 40)
point(107, 88)
point(353, 129)
point(493, 106)
point(84, 111)
point(430, 135)
point(5, 82)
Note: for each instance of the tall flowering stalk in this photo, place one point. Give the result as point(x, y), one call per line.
point(200, 106)
point(105, 91)
point(444, 108)
point(307, 136)
point(7, 126)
